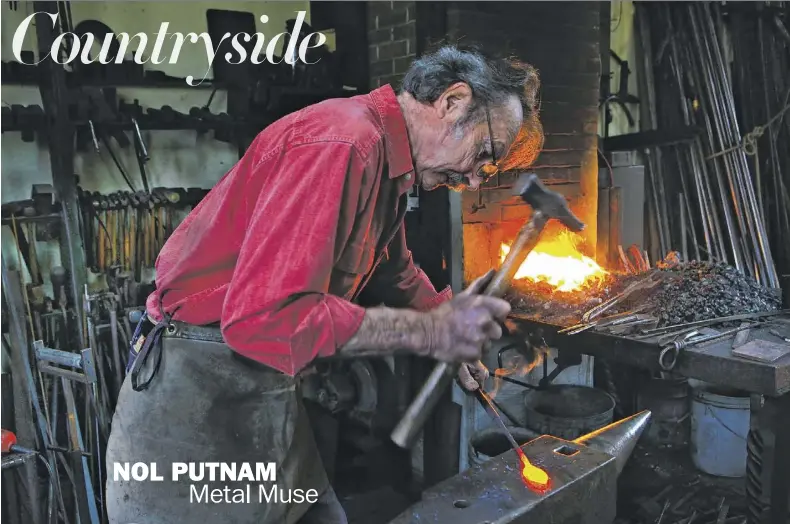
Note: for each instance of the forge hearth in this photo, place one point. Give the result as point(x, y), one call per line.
point(687, 292)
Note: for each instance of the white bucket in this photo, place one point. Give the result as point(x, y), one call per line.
point(719, 429)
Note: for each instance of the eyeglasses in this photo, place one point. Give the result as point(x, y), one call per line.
point(488, 170)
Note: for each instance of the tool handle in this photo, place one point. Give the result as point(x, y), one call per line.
point(423, 404)
point(413, 420)
point(525, 242)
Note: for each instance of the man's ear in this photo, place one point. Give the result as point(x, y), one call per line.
point(454, 102)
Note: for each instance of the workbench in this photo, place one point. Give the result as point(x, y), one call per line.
point(710, 362)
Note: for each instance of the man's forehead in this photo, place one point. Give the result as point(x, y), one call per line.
point(507, 118)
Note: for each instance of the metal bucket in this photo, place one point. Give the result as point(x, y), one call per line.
point(668, 401)
point(491, 442)
point(567, 411)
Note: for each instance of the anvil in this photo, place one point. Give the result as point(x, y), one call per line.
point(583, 475)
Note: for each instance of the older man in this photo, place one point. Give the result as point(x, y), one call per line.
point(273, 270)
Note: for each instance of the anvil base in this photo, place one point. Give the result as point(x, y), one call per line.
point(583, 491)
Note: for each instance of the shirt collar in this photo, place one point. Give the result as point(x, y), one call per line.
point(395, 135)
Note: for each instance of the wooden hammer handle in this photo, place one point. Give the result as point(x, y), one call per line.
point(443, 373)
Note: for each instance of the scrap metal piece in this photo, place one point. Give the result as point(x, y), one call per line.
point(762, 351)
point(583, 475)
point(741, 337)
point(778, 335)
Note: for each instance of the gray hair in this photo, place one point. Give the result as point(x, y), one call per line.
point(492, 80)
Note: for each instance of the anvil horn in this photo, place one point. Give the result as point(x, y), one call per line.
point(617, 439)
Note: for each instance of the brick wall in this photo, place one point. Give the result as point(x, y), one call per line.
point(392, 41)
point(562, 41)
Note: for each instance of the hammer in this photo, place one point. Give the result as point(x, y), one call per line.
point(546, 205)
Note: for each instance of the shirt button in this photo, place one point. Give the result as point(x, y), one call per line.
point(408, 176)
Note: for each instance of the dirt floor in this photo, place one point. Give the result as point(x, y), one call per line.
point(664, 481)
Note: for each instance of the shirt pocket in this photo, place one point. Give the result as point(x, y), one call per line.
point(354, 263)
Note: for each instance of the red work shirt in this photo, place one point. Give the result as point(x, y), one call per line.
point(279, 251)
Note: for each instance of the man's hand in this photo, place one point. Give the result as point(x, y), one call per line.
point(472, 376)
point(455, 331)
point(459, 329)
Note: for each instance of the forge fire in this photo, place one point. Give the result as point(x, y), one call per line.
point(558, 262)
point(557, 283)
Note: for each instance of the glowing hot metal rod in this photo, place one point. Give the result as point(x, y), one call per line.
point(546, 205)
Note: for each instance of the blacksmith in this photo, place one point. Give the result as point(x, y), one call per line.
point(298, 254)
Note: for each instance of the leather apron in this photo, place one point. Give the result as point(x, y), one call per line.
point(207, 404)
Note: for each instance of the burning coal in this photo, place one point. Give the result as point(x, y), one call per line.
point(558, 262)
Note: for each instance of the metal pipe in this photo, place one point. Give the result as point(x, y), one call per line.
point(688, 212)
point(683, 240)
point(712, 211)
point(116, 351)
point(757, 226)
point(695, 70)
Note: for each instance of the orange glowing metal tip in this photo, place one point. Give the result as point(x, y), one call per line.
point(534, 477)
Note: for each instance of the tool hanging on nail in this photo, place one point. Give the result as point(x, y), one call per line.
point(126, 230)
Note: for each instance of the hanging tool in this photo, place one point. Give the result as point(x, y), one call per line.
point(546, 205)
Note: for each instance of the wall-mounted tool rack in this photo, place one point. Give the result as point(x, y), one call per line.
point(97, 233)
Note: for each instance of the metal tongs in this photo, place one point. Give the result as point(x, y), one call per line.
point(619, 319)
point(672, 348)
point(588, 318)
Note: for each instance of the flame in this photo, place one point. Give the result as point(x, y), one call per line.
point(534, 477)
point(518, 367)
point(558, 262)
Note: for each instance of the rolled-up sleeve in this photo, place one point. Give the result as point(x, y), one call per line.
point(278, 308)
point(398, 282)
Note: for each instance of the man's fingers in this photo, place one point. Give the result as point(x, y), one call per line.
point(493, 330)
point(466, 379)
point(480, 283)
point(470, 351)
point(479, 371)
point(496, 306)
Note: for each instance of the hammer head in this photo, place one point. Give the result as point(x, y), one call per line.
point(550, 203)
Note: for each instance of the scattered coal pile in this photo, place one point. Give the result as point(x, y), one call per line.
point(542, 302)
point(704, 291)
point(689, 292)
